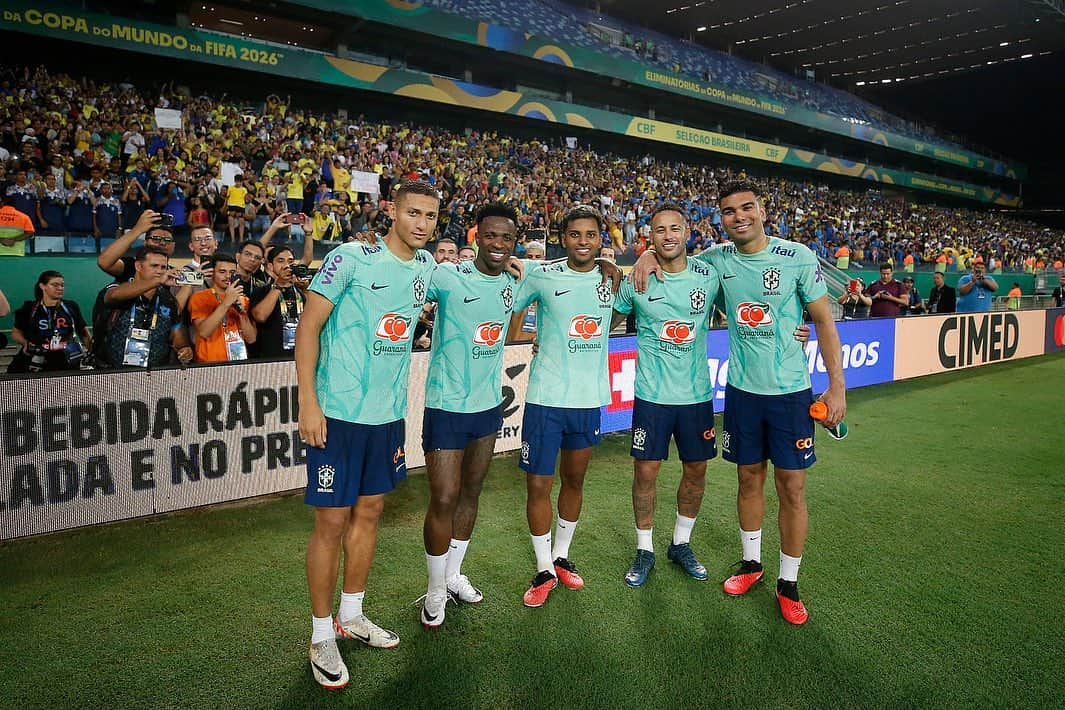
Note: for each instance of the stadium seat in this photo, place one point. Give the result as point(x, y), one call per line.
point(81, 245)
point(48, 245)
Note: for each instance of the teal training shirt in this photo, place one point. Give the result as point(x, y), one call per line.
point(472, 315)
point(672, 320)
point(365, 345)
point(764, 298)
point(573, 325)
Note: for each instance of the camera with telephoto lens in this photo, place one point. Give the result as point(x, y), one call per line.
point(36, 354)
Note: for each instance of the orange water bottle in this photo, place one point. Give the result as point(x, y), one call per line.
point(819, 412)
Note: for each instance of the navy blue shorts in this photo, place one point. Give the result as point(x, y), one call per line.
point(690, 425)
point(777, 427)
point(358, 460)
point(546, 430)
point(454, 430)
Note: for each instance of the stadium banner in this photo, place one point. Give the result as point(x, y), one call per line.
point(99, 447)
point(418, 16)
point(198, 45)
point(868, 359)
point(1055, 330)
point(930, 344)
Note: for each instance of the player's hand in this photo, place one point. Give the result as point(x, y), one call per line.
point(184, 355)
point(610, 271)
point(802, 333)
point(516, 268)
point(312, 425)
point(536, 345)
point(835, 398)
point(646, 265)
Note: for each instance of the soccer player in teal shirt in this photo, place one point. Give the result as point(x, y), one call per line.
point(464, 401)
point(567, 386)
point(673, 388)
point(767, 283)
point(353, 347)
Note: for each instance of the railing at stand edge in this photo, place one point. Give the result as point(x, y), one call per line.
point(836, 281)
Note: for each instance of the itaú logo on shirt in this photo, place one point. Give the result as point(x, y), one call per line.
point(754, 314)
point(394, 327)
point(488, 333)
point(677, 332)
point(586, 327)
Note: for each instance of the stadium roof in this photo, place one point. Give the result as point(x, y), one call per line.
point(870, 41)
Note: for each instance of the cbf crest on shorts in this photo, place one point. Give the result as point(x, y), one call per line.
point(325, 478)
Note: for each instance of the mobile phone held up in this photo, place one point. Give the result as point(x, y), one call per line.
point(852, 287)
point(298, 218)
point(164, 220)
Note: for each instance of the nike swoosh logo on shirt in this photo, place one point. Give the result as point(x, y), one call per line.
point(467, 299)
point(331, 676)
point(561, 293)
point(730, 276)
point(656, 298)
point(378, 287)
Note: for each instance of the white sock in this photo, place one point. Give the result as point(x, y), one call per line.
point(563, 537)
point(789, 567)
point(350, 605)
point(437, 565)
point(643, 540)
point(752, 544)
point(456, 553)
point(542, 548)
point(682, 529)
point(321, 629)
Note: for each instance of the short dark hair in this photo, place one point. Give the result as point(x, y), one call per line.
point(223, 258)
point(669, 207)
point(731, 188)
point(275, 251)
point(446, 240)
point(415, 187)
point(887, 266)
point(142, 253)
point(581, 212)
point(497, 209)
point(250, 242)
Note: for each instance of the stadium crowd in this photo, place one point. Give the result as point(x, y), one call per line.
point(79, 158)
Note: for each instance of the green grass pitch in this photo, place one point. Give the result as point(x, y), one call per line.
point(933, 573)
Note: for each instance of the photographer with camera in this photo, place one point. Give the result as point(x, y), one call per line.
point(51, 331)
point(887, 294)
point(154, 227)
point(220, 316)
point(140, 325)
point(854, 301)
point(277, 307)
point(975, 289)
point(196, 275)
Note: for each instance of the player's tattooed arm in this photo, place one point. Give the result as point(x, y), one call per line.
point(641, 271)
point(610, 270)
